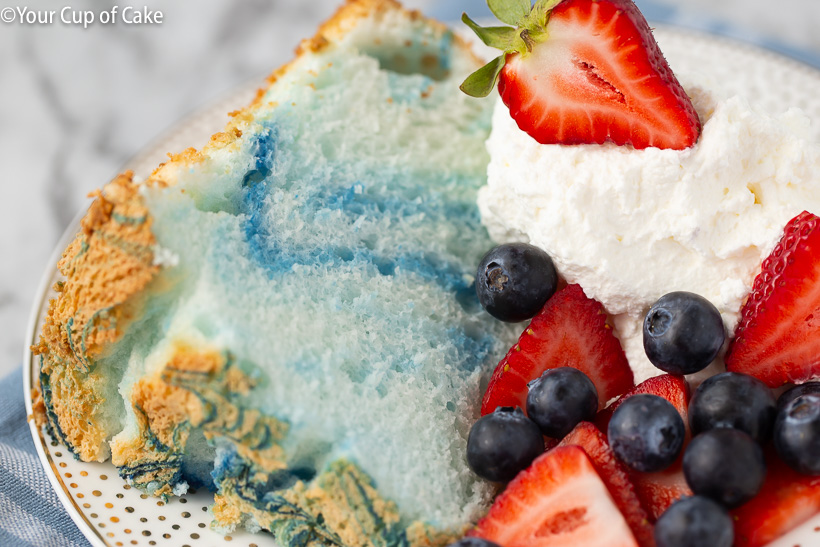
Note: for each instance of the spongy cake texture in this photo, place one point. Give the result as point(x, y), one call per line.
point(312, 320)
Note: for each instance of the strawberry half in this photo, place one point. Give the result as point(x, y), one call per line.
point(672, 388)
point(778, 337)
point(657, 491)
point(569, 331)
point(615, 477)
point(584, 72)
point(786, 500)
point(558, 501)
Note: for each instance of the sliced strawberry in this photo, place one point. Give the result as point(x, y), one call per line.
point(657, 491)
point(786, 500)
point(778, 337)
point(570, 331)
point(558, 501)
point(616, 478)
point(586, 72)
point(672, 388)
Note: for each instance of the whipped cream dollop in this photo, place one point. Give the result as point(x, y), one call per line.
point(632, 225)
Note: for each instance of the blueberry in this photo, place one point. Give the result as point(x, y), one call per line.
point(694, 521)
point(797, 434)
point(726, 465)
point(561, 398)
point(735, 401)
point(502, 444)
point(793, 393)
point(473, 542)
point(682, 333)
point(646, 432)
point(514, 281)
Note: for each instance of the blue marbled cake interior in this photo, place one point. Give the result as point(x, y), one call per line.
point(331, 250)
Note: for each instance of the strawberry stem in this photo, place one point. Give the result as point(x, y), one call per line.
point(528, 41)
point(529, 28)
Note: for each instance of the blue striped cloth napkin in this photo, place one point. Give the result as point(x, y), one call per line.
point(30, 513)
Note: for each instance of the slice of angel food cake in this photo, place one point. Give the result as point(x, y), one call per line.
point(288, 316)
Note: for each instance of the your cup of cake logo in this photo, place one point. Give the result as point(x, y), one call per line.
point(70, 16)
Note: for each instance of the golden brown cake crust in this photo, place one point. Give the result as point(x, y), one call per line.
point(331, 31)
point(109, 261)
point(167, 408)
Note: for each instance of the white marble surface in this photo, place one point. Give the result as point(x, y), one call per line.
point(76, 103)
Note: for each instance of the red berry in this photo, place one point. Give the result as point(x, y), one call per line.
point(657, 491)
point(778, 337)
point(558, 500)
point(616, 478)
point(786, 500)
point(589, 72)
point(570, 331)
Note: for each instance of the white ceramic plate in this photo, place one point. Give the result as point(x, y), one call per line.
point(110, 513)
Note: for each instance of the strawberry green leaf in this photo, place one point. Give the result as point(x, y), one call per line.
point(510, 11)
point(481, 82)
point(498, 37)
